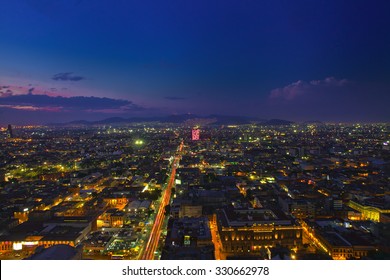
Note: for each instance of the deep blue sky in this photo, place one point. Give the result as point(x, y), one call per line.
point(299, 60)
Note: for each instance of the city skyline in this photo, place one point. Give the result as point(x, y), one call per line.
point(163, 191)
point(91, 60)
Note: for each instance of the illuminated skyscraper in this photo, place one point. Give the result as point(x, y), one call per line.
point(10, 133)
point(195, 134)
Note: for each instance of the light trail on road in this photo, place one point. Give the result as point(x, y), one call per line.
point(152, 244)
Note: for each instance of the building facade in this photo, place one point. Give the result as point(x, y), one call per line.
point(250, 231)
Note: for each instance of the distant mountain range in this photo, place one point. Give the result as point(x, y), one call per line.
point(178, 119)
point(277, 122)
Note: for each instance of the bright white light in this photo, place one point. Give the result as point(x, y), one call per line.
point(17, 246)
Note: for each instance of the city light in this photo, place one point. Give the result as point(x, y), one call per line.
point(240, 198)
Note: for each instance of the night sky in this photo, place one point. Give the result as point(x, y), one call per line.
point(301, 60)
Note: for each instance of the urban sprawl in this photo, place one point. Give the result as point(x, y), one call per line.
point(164, 191)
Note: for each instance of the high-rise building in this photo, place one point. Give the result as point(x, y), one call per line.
point(10, 133)
point(195, 134)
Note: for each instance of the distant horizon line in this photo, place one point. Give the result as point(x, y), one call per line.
point(163, 119)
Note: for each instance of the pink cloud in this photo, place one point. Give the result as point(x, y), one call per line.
point(18, 90)
point(300, 88)
point(32, 108)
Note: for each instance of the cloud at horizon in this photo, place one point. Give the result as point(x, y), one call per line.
point(42, 102)
point(328, 99)
point(302, 88)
